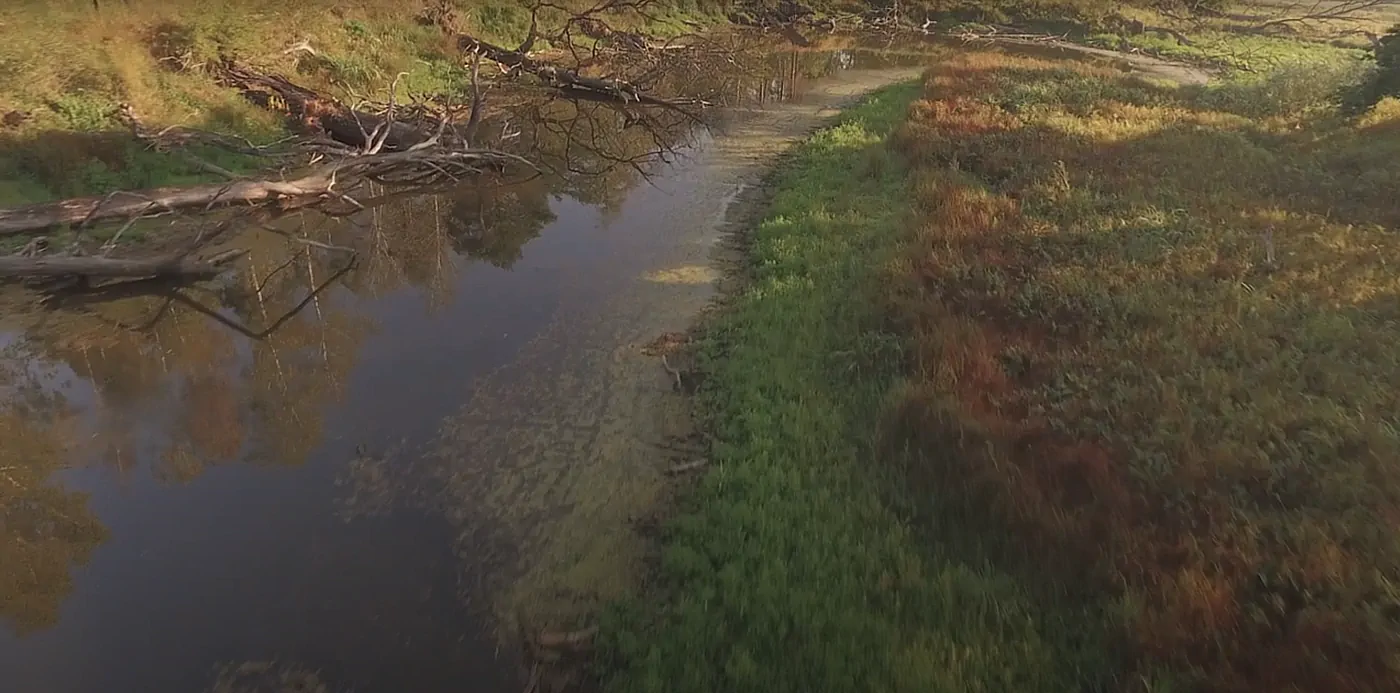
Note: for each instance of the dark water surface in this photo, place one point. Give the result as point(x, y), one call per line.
point(202, 493)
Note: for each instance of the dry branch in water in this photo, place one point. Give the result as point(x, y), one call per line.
point(421, 165)
point(565, 78)
point(178, 265)
point(382, 152)
point(385, 154)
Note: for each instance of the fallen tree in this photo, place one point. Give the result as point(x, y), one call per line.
point(422, 164)
point(174, 265)
point(352, 144)
point(318, 113)
point(560, 77)
point(439, 153)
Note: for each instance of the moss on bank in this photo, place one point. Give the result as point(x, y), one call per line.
point(794, 565)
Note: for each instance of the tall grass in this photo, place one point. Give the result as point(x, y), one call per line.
point(794, 566)
point(1153, 326)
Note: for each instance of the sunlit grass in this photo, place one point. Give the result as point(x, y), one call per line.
point(67, 66)
point(1156, 328)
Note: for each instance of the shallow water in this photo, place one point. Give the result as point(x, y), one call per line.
point(319, 475)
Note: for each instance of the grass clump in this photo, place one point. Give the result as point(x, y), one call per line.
point(794, 566)
point(1153, 340)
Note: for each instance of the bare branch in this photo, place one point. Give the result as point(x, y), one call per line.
point(1317, 12)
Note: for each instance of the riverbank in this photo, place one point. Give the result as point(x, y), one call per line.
point(1046, 377)
point(61, 135)
point(795, 563)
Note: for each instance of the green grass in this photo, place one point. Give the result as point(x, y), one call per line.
point(1231, 50)
point(791, 567)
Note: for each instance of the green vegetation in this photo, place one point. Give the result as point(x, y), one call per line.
point(155, 56)
point(1089, 387)
point(1233, 50)
point(795, 566)
point(1151, 330)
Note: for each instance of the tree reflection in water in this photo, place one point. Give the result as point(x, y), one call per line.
point(171, 381)
point(168, 381)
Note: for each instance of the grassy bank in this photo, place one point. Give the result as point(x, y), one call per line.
point(796, 565)
point(1090, 387)
point(65, 66)
point(1154, 326)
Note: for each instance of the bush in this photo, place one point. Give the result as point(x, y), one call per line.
point(1384, 80)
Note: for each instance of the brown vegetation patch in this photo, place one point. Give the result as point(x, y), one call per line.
point(1147, 333)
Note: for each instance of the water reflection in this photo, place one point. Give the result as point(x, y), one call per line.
point(46, 529)
point(168, 482)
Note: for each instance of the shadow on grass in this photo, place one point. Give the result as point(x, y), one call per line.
point(1156, 334)
point(55, 164)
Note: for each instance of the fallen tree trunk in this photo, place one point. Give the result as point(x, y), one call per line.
point(12, 267)
point(414, 166)
point(317, 112)
point(125, 205)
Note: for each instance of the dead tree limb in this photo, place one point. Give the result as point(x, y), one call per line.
point(319, 113)
point(12, 267)
point(1319, 12)
point(565, 78)
point(588, 21)
point(413, 166)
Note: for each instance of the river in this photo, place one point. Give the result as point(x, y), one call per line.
point(324, 475)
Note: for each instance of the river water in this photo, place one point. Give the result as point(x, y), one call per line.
point(326, 475)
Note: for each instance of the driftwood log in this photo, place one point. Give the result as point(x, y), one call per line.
point(103, 267)
point(125, 205)
point(393, 167)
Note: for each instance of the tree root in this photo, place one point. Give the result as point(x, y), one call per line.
point(101, 267)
